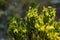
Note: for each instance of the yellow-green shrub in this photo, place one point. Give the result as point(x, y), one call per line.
point(17, 28)
point(36, 27)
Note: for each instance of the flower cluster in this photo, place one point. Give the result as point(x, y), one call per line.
point(44, 22)
point(17, 28)
point(36, 27)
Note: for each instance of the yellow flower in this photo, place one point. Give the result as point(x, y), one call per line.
point(15, 30)
point(58, 38)
point(54, 13)
point(37, 25)
point(49, 35)
point(50, 27)
point(56, 35)
point(44, 9)
point(29, 15)
point(14, 21)
point(47, 14)
point(51, 13)
point(49, 7)
point(36, 15)
point(40, 20)
point(24, 30)
point(42, 28)
point(50, 19)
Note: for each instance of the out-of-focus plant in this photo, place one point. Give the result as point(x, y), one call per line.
point(17, 29)
point(31, 19)
point(2, 2)
point(36, 27)
point(49, 25)
point(1, 13)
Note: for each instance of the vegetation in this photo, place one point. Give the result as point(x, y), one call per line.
point(3, 2)
point(34, 26)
